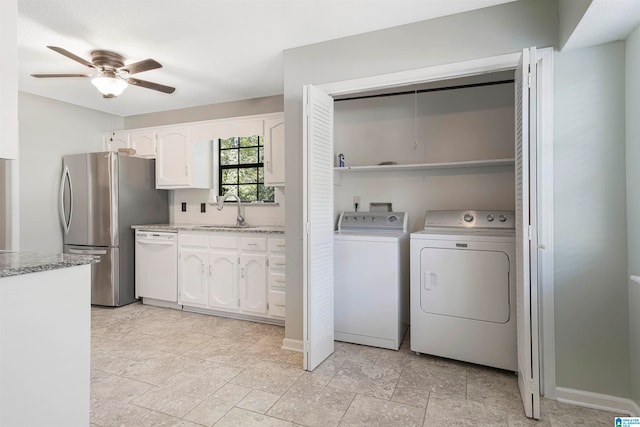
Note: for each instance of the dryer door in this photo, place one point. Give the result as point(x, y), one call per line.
point(468, 284)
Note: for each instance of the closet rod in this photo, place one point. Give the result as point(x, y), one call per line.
point(437, 89)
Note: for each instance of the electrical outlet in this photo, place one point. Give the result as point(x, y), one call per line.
point(184, 206)
point(356, 203)
point(203, 207)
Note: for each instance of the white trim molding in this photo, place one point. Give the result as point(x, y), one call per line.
point(292, 345)
point(545, 223)
point(422, 75)
point(603, 402)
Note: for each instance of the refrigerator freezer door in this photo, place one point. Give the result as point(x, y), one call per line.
point(89, 199)
point(105, 289)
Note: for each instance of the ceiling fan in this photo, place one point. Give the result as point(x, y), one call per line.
point(111, 75)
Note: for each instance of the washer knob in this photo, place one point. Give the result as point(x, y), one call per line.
point(468, 217)
point(490, 218)
point(502, 218)
point(393, 218)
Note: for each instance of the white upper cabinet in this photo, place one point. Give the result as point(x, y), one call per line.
point(181, 162)
point(174, 152)
point(144, 142)
point(116, 140)
point(9, 81)
point(184, 153)
point(274, 152)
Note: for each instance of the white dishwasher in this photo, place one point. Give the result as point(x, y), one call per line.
point(156, 266)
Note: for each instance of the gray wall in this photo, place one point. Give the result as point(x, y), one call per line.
point(633, 200)
point(50, 129)
point(486, 32)
point(246, 107)
point(570, 12)
point(590, 233)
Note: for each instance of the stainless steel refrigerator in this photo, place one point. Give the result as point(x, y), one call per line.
point(101, 196)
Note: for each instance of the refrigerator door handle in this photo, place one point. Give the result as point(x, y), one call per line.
point(63, 216)
point(88, 251)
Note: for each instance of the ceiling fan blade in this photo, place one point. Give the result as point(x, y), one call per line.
point(70, 55)
point(151, 85)
point(139, 67)
point(46, 76)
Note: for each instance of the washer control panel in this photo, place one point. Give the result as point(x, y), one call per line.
point(387, 221)
point(470, 219)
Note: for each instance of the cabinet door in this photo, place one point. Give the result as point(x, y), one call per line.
point(173, 161)
point(192, 275)
point(223, 279)
point(253, 283)
point(114, 140)
point(144, 143)
point(274, 152)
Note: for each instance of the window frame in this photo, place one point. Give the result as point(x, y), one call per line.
point(239, 166)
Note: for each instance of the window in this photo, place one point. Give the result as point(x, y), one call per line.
point(242, 169)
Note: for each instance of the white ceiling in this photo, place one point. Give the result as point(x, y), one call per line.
point(212, 51)
point(605, 21)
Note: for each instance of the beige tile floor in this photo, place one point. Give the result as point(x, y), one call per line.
point(161, 367)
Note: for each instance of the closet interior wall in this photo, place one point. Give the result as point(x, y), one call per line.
point(464, 124)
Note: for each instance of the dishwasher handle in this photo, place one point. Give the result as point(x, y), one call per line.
point(155, 242)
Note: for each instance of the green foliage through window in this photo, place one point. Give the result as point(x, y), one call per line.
point(242, 169)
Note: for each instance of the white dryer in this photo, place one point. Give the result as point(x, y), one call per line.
point(371, 278)
point(463, 295)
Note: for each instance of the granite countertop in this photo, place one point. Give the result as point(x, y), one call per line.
point(17, 263)
point(262, 229)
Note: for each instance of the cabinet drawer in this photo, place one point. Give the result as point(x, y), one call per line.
point(253, 243)
point(192, 240)
point(277, 303)
point(277, 245)
point(277, 262)
point(227, 242)
point(277, 280)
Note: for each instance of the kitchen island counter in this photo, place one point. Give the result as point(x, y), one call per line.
point(17, 263)
point(45, 330)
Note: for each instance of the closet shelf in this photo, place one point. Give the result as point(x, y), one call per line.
point(426, 166)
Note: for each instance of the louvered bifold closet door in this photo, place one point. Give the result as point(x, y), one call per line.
point(318, 220)
point(526, 246)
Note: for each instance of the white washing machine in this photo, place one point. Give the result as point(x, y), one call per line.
point(371, 278)
point(463, 295)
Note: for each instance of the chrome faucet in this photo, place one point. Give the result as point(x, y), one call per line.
point(221, 205)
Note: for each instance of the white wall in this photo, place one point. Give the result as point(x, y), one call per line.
point(486, 32)
point(633, 199)
point(590, 233)
point(266, 214)
point(48, 130)
point(454, 125)
point(254, 215)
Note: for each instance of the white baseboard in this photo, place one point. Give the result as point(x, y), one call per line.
point(604, 402)
point(293, 345)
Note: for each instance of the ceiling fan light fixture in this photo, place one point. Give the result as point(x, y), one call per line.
point(109, 86)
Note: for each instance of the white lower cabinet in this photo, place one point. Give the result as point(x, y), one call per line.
point(253, 283)
point(192, 277)
point(231, 273)
point(223, 279)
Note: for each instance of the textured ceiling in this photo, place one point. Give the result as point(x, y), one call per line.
point(605, 21)
point(212, 51)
